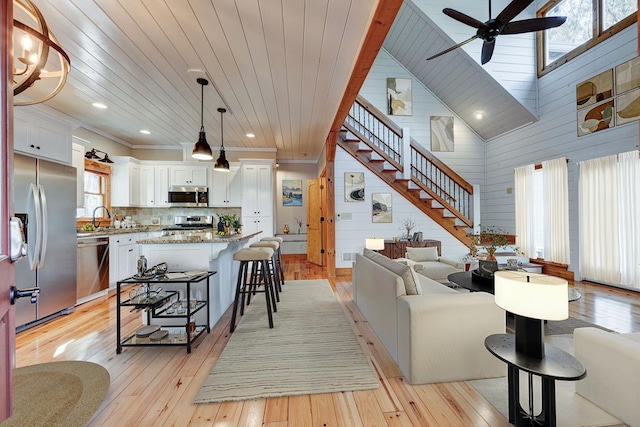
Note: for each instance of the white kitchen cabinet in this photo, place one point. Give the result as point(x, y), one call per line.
point(39, 135)
point(125, 181)
point(123, 256)
point(257, 199)
point(77, 161)
point(162, 186)
point(147, 185)
point(189, 175)
point(226, 188)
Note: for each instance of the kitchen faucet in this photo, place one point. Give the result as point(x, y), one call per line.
point(93, 220)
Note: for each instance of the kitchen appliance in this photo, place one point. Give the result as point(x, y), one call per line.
point(193, 223)
point(186, 196)
point(93, 266)
point(45, 200)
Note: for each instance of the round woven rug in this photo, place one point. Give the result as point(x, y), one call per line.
point(65, 393)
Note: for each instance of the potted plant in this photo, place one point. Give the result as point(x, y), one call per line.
point(408, 224)
point(490, 239)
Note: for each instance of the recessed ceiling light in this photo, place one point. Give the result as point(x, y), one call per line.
point(144, 131)
point(251, 135)
point(99, 105)
point(479, 115)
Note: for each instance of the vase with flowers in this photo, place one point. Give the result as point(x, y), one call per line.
point(299, 222)
point(490, 239)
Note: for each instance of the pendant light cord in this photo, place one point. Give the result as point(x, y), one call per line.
point(201, 108)
point(222, 129)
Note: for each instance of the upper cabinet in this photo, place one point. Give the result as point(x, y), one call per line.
point(189, 175)
point(125, 181)
point(77, 161)
point(40, 135)
point(226, 188)
point(257, 199)
point(154, 185)
point(162, 185)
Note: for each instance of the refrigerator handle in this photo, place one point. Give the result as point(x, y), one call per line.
point(45, 225)
point(34, 238)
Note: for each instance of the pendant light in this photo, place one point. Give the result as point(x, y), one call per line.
point(202, 150)
point(222, 164)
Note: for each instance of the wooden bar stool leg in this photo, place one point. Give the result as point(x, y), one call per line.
point(268, 291)
point(280, 266)
point(239, 284)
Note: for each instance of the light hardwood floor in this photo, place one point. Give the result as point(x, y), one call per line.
point(156, 386)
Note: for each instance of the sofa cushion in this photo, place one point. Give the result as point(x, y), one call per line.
point(402, 270)
point(423, 254)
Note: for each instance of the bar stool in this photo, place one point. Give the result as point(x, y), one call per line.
point(272, 263)
point(245, 285)
point(279, 255)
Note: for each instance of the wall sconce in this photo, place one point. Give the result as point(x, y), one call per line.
point(34, 64)
point(93, 155)
point(374, 243)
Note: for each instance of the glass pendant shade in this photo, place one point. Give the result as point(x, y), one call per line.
point(202, 150)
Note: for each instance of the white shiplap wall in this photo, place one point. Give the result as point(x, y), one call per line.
point(513, 62)
point(351, 233)
point(467, 157)
point(555, 135)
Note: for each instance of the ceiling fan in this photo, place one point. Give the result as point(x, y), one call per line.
point(490, 30)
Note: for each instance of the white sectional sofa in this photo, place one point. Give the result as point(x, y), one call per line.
point(434, 336)
point(427, 262)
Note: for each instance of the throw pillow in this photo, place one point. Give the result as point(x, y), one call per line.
point(416, 280)
point(423, 254)
point(410, 284)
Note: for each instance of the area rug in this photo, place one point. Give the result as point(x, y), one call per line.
point(65, 393)
point(311, 349)
point(572, 410)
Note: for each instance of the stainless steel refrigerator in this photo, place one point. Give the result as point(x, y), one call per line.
point(45, 198)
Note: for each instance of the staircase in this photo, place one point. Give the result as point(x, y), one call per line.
point(378, 143)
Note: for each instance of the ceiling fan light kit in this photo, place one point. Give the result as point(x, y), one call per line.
point(222, 165)
point(201, 149)
point(488, 31)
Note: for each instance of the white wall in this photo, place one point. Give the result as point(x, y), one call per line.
point(351, 233)
point(555, 135)
point(467, 159)
point(288, 214)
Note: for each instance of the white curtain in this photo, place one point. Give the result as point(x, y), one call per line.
point(629, 217)
point(599, 243)
point(556, 206)
point(523, 182)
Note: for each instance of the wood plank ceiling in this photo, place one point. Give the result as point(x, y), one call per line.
point(280, 67)
point(455, 78)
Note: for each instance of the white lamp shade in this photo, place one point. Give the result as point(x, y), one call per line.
point(374, 243)
point(533, 295)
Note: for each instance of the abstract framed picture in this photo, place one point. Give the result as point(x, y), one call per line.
point(291, 192)
point(399, 97)
point(381, 207)
point(354, 186)
point(596, 118)
point(595, 89)
point(441, 133)
point(628, 107)
point(628, 75)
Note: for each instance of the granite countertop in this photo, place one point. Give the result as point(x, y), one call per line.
point(197, 237)
point(110, 231)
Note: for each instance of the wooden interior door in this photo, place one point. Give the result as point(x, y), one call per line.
point(7, 276)
point(315, 215)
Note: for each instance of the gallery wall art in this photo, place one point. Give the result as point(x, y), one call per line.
point(354, 186)
point(381, 207)
point(291, 192)
point(595, 89)
point(441, 133)
point(399, 97)
point(628, 75)
point(596, 118)
point(628, 91)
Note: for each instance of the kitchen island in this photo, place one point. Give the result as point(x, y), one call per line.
point(201, 250)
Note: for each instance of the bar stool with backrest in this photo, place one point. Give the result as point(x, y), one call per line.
point(279, 255)
point(272, 264)
point(245, 285)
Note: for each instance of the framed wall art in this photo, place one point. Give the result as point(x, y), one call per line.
point(291, 192)
point(441, 133)
point(399, 97)
point(628, 107)
point(628, 75)
point(381, 207)
point(596, 118)
point(596, 89)
point(354, 186)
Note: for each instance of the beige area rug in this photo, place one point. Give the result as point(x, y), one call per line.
point(572, 410)
point(311, 349)
point(65, 393)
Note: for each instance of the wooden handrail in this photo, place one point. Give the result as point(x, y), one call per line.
point(379, 115)
point(446, 169)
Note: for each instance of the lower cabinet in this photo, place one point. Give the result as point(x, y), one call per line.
point(398, 249)
point(123, 256)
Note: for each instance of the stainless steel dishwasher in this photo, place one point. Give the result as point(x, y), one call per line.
point(93, 266)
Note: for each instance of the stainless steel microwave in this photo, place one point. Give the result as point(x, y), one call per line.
point(185, 196)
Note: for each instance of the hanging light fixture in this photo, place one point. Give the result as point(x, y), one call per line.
point(93, 155)
point(222, 164)
point(202, 150)
point(29, 67)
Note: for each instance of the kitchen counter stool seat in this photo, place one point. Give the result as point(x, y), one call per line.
point(273, 264)
point(246, 286)
point(279, 255)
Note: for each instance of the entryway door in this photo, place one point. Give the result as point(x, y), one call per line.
point(315, 215)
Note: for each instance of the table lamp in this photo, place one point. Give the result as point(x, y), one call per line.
point(532, 298)
point(374, 243)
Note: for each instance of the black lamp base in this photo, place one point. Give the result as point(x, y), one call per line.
point(529, 336)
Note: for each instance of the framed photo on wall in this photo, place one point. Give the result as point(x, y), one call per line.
point(354, 186)
point(381, 207)
point(441, 133)
point(399, 97)
point(291, 192)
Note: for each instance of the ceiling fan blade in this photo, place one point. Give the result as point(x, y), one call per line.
point(512, 10)
point(487, 51)
point(535, 24)
point(452, 48)
point(461, 17)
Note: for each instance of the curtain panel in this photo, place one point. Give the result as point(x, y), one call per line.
point(523, 183)
point(556, 206)
point(629, 218)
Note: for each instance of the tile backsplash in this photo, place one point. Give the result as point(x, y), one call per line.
point(166, 215)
